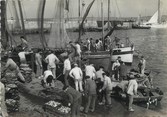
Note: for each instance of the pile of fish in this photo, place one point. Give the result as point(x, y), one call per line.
point(27, 72)
point(56, 108)
point(12, 97)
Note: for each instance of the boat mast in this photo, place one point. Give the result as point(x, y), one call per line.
point(102, 19)
point(159, 15)
point(22, 19)
point(79, 15)
point(108, 14)
point(4, 38)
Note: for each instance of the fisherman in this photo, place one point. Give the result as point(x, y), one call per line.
point(122, 71)
point(91, 45)
point(38, 62)
point(107, 87)
point(97, 46)
point(90, 94)
point(77, 75)
point(88, 44)
point(142, 65)
point(119, 59)
point(75, 99)
point(48, 81)
point(24, 43)
point(22, 56)
point(52, 59)
point(78, 54)
point(90, 71)
point(75, 52)
point(115, 69)
point(131, 90)
point(11, 65)
point(101, 44)
point(99, 83)
point(66, 69)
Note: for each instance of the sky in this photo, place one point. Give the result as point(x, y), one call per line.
point(119, 8)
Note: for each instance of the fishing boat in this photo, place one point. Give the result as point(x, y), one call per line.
point(155, 20)
point(112, 51)
point(135, 26)
point(124, 50)
point(143, 94)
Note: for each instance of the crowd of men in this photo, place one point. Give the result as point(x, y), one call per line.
point(93, 84)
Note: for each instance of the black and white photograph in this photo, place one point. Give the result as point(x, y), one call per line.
point(83, 58)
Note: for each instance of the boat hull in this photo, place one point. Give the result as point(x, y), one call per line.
point(144, 95)
point(141, 27)
point(159, 25)
point(126, 54)
point(101, 58)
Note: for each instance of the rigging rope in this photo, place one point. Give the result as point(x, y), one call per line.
point(7, 28)
point(118, 8)
point(9, 9)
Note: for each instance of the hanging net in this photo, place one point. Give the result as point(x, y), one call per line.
point(58, 36)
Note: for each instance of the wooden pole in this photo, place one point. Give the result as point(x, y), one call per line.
point(22, 19)
point(44, 44)
point(108, 14)
point(79, 15)
point(102, 18)
point(4, 38)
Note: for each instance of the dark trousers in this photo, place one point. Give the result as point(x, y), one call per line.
point(66, 77)
point(101, 94)
point(91, 99)
point(75, 107)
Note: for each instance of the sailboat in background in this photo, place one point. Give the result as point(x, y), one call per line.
point(139, 25)
point(155, 20)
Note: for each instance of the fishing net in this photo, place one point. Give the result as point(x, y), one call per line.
point(58, 36)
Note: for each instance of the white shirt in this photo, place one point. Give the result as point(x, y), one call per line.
point(22, 55)
point(107, 83)
point(67, 65)
point(76, 73)
point(99, 74)
point(51, 59)
point(115, 64)
point(46, 74)
point(90, 70)
point(78, 49)
point(132, 87)
point(88, 44)
point(38, 59)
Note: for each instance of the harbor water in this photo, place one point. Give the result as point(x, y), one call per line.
point(152, 44)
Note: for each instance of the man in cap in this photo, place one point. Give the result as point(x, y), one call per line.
point(107, 87)
point(77, 75)
point(142, 65)
point(75, 99)
point(52, 59)
point(131, 90)
point(66, 69)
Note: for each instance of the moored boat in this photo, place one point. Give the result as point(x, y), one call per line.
point(144, 94)
point(126, 54)
point(140, 27)
point(124, 50)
